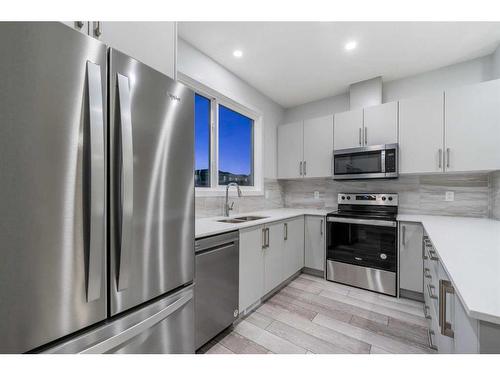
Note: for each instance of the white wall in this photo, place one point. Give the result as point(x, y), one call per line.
point(323, 107)
point(468, 72)
point(200, 67)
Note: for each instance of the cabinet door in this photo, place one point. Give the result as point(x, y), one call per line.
point(251, 267)
point(290, 150)
point(273, 258)
point(410, 257)
point(152, 43)
point(81, 26)
point(293, 256)
point(347, 129)
point(472, 127)
point(318, 147)
point(466, 331)
point(381, 124)
point(421, 132)
point(314, 247)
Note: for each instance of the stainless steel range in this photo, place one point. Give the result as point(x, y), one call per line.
point(361, 247)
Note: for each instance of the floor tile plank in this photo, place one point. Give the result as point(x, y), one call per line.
point(242, 345)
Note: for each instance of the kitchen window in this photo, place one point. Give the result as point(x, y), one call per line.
point(228, 145)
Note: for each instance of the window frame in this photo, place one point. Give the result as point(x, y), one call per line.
point(217, 99)
point(210, 135)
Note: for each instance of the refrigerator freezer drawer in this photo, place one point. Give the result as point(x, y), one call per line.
point(163, 327)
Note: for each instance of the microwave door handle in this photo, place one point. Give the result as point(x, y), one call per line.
point(126, 182)
point(95, 216)
point(382, 161)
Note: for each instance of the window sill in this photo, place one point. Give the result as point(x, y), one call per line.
point(221, 192)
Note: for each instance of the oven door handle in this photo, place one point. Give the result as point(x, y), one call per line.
point(378, 223)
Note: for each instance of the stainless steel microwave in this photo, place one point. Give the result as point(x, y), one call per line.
point(367, 162)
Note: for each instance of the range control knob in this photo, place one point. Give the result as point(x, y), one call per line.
point(348, 198)
point(384, 198)
point(390, 198)
point(343, 197)
point(383, 256)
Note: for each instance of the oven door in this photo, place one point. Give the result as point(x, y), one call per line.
point(362, 242)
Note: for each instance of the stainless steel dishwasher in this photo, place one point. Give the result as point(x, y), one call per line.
point(216, 285)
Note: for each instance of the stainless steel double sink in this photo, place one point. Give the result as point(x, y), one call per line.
point(241, 219)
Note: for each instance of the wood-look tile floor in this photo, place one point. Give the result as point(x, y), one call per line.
point(312, 315)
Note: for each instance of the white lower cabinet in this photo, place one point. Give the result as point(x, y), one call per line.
point(293, 247)
point(274, 257)
point(314, 242)
point(251, 265)
point(410, 257)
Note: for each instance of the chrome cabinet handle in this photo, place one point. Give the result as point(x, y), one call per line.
point(97, 29)
point(300, 168)
point(366, 135)
point(445, 288)
point(431, 333)
point(285, 227)
point(126, 190)
point(432, 255)
point(430, 291)
point(404, 235)
point(267, 237)
point(360, 136)
point(305, 171)
point(440, 158)
point(79, 24)
point(427, 273)
point(95, 198)
point(426, 315)
point(321, 228)
point(448, 157)
point(263, 238)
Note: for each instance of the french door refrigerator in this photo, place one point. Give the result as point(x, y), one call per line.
point(96, 196)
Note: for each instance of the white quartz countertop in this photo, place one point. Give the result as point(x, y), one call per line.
point(209, 226)
point(469, 250)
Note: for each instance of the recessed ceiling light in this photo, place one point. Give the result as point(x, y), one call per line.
point(237, 53)
point(350, 45)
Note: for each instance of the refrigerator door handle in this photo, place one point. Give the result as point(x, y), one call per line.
point(126, 335)
point(95, 199)
point(126, 190)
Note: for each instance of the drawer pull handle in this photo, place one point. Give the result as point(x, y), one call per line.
point(426, 314)
point(427, 273)
point(430, 290)
point(430, 333)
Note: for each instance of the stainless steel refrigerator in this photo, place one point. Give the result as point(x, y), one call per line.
point(96, 198)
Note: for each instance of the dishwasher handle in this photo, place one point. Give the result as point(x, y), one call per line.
point(215, 249)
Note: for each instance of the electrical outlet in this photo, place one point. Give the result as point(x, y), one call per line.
point(449, 196)
point(316, 195)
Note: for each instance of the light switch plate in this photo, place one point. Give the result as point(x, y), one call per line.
point(449, 196)
point(316, 195)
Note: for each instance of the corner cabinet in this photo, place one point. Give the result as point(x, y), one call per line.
point(314, 247)
point(305, 148)
point(472, 127)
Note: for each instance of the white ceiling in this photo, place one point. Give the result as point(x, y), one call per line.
point(298, 62)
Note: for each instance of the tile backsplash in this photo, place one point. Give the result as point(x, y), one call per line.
point(476, 195)
point(214, 206)
point(417, 194)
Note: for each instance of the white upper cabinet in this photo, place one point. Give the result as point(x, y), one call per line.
point(380, 124)
point(472, 127)
point(421, 122)
point(348, 128)
point(152, 43)
point(318, 147)
point(290, 150)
